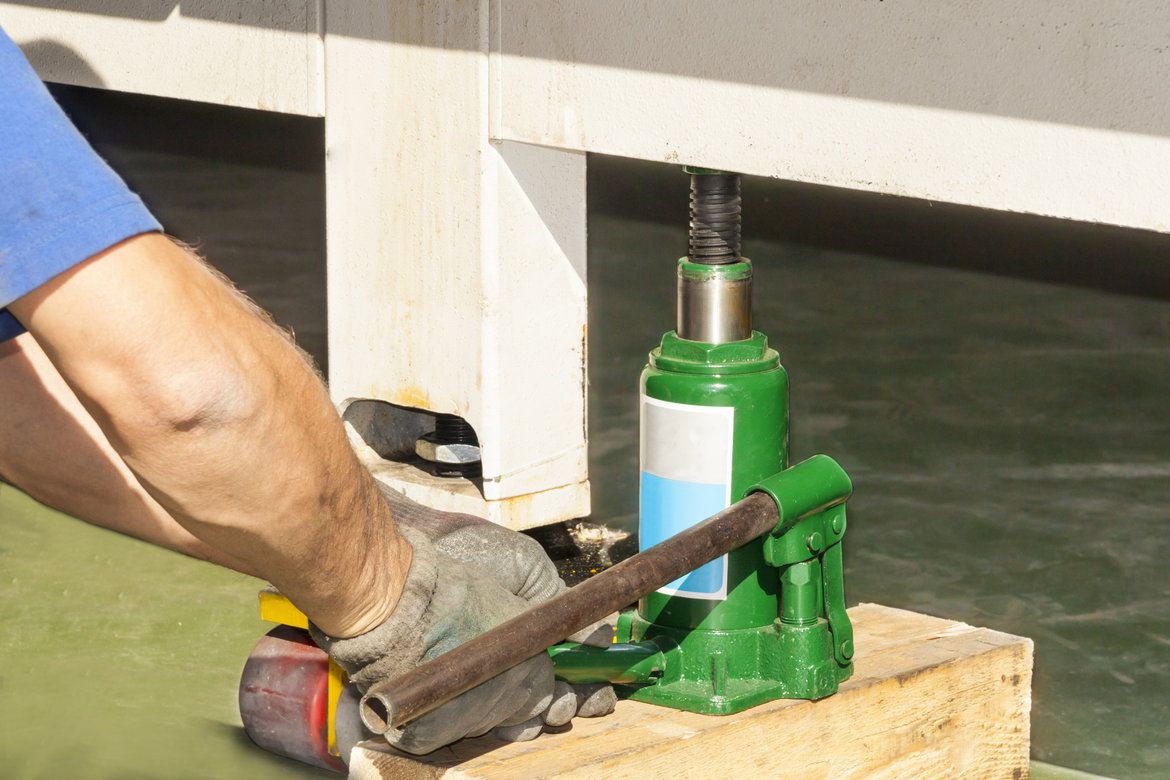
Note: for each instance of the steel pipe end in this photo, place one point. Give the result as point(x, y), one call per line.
point(377, 712)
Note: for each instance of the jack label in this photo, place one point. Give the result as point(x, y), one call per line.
point(686, 454)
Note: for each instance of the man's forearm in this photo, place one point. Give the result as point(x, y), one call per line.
point(226, 425)
point(53, 450)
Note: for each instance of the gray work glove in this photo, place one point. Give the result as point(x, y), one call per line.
point(516, 561)
point(447, 600)
point(520, 564)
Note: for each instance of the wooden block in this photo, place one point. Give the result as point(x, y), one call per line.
point(928, 698)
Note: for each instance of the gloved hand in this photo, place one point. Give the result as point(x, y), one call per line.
point(516, 561)
point(520, 564)
point(448, 599)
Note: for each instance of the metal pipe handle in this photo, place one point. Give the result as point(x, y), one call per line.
point(393, 703)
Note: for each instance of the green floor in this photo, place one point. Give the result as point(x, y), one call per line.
point(1009, 441)
point(119, 659)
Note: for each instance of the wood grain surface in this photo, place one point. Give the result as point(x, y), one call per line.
point(929, 697)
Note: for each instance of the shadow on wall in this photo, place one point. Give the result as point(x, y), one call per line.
point(211, 133)
point(150, 10)
point(253, 13)
point(1069, 63)
point(49, 56)
point(288, 16)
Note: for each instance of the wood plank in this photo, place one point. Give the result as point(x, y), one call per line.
point(929, 698)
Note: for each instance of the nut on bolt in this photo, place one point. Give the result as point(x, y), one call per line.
point(452, 449)
point(430, 448)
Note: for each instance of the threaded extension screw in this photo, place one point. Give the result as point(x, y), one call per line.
point(451, 429)
point(715, 218)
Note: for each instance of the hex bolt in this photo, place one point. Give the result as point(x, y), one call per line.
point(452, 449)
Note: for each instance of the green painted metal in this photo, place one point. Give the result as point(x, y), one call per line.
point(750, 356)
point(776, 626)
point(791, 638)
point(747, 376)
point(781, 631)
point(628, 663)
point(728, 272)
point(811, 528)
point(806, 649)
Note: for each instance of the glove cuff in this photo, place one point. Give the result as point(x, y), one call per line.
point(396, 645)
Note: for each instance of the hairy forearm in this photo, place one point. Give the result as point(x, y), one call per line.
point(225, 424)
point(54, 451)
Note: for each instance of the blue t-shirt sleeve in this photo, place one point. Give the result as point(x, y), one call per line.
point(60, 203)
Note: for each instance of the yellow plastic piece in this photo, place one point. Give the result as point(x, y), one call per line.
point(337, 680)
point(275, 608)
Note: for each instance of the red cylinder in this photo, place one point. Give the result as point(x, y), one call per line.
point(284, 692)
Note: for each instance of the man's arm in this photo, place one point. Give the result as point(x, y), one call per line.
point(220, 419)
point(225, 424)
point(53, 450)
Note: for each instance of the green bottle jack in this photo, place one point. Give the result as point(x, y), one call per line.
point(767, 620)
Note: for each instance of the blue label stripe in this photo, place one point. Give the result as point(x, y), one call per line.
point(669, 506)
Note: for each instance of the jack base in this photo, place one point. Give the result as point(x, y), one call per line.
point(724, 672)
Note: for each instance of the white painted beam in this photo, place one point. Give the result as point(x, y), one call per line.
point(456, 132)
point(264, 55)
point(456, 266)
point(1054, 108)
